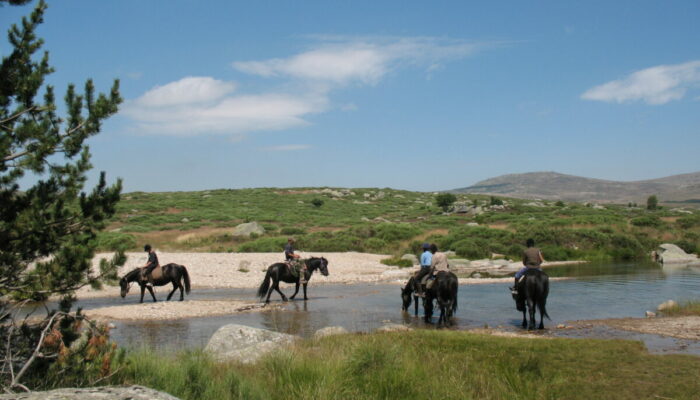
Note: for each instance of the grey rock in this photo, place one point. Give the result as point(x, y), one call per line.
point(394, 328)
point(242, 343)
point(411, 257)
point(666, 305)
point(97, 393)
point(668, 253)
point(248, 228)
point(330, 331)
point(650, 314)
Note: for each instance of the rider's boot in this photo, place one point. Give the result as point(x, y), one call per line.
point(514, 288)
point(302, 276)
point(150, 280)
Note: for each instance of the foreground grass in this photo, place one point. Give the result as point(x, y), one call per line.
point(426, 364)
point(684, 309)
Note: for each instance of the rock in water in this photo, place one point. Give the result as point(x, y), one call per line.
point(668, 253)
point(667, 305)
point(329, 331)
point(242, 343)
point(98, 393)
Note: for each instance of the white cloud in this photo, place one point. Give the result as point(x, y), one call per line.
point(208, 110)
point(205, 105)
point(655, 85)
point(341, 60)
point(190, 90)
point(288, 147)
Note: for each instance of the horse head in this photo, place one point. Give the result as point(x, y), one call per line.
point(324, 266)
point(406, 297)
point(124, 286)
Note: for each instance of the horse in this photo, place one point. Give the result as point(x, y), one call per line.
point(533, 289)
point(282, 272)
point(411, 288)
point(444, 290)
point(172, 273)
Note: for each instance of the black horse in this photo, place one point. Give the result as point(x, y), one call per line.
point(444, 290)
point(408, 291)
point(282, 272)
point(533, 289)
point(172, 273)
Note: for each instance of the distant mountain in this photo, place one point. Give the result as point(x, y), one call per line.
point(556, 186)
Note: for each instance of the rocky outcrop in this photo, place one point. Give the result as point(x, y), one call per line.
point(98, 393)
point(242, 343)
point(668, 253)
point(247, 229)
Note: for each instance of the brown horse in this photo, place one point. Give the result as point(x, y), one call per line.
point(172, 273)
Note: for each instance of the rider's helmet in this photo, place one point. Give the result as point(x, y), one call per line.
point(426, 246)
point(147, 247)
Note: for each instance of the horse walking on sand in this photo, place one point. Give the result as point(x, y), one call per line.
point(533, 289)
point(444, 290)
point(281, 272)
point(171, 273)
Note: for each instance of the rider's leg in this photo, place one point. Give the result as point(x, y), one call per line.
point(518, 275)
point(149, 275)
point(419, 277)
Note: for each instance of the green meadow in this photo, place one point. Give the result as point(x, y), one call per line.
point(393, 222)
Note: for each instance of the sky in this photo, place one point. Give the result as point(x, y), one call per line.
point(411, 95)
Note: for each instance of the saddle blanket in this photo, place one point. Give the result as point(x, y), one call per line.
point(157, 273)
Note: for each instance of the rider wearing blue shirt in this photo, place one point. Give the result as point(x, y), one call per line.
point(425, 260)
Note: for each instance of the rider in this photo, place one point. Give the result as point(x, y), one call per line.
point(438, 262)
point(532, 259)
point(425, 260)
point(151, 264)
point(293, 260)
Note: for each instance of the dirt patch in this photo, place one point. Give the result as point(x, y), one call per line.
point(685, 327)
point(669, 219)
point(173, 210)
point(201, 233)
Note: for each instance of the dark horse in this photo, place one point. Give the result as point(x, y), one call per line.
point(172, 273)
point(408, 291)
point(444, 290)
point(533, 289)
point(282, 272)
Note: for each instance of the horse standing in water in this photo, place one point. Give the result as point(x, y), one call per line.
point(444, 290)
point(408, 291)
point(171, 273)
point(282, 272)
point(533, 289)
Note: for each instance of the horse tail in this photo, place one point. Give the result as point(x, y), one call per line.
point(265, 285)
point(186, 275)
point(544, 290)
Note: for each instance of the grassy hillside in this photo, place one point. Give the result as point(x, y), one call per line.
point(393, 222)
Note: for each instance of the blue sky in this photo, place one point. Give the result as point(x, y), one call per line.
point(409, 95)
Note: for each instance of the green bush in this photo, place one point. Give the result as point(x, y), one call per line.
point(264, 245)
point(111, 241)
point(646, 220)
point(687, 246)
point(397, 261)
point(290, 230)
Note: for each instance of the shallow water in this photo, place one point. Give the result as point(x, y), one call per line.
point(596, 291)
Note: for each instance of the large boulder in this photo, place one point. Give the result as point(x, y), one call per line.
point(97, 393)
point(242, 343)
point(247, 229)
point(668, 253)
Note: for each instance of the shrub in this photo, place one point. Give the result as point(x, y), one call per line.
point(445, 200)
point(264, 245)
point(292, 231)
point(109, 241)
point(687, 246)
point(646, 220)
point(397, 261)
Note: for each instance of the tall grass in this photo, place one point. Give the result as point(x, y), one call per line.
point(426, 364)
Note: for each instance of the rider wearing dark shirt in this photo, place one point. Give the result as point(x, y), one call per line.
point(151, 264)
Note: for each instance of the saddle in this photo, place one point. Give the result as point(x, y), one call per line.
point(157, 273)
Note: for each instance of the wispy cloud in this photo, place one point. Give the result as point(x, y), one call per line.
point(342, 60)
point(655, 85)
point(288, 147)
point(205, 105)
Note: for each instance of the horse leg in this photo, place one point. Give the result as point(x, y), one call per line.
point(150, 290)
point(143, 290)
point(172, 291)
point(541, 317)
point(182, 290)
point(296, 290)
point(415, 299)
point(524, 324)
point(276, 286)
point(531, 310)
point(305, 298)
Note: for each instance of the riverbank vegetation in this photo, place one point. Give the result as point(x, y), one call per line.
point(687, 308)
point(395, 222)
point(424, 364)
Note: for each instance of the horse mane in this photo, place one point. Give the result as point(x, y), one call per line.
point(131, 275)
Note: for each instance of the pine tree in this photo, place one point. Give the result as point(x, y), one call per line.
point(48, 230)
